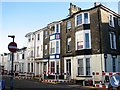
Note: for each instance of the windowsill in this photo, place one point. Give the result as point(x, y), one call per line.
point(83, 49)
point(83, 76)
point(113, 49)
point(82, 24)
point(68, 28)
point(68, 51)
point(112, 26)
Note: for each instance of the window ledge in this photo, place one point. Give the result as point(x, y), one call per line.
point(83, 76)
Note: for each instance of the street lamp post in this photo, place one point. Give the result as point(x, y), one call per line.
point(11, 78)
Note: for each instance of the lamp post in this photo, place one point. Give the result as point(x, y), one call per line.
point(12, 49)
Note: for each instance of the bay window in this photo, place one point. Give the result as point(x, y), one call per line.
point(52, 47)
point(79, 19)
point(85, 18)
point(57, 28)
point(83, 40)
point(57, 47)
point(82, 18)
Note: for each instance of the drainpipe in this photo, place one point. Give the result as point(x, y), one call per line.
point(99, 19)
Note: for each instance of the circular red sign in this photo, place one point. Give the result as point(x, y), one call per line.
point(12, 47)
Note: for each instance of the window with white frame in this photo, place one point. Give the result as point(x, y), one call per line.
point(79, 19)
point(52, 67)
point(85, 18)
point(46, 34)
point(82, 18)
point(41, 47)
point(80, 67)
point(87, 66)
point(28, 67)
point(57, 28)
point(31, 67)
point(68, 24)
point(83, 66)
point(20, 55)
point(111, 20)
point(57, 67)
point(32, 37)
point(37, 51)
point(31, 54)
point(46, 49)
point(22, 67)
point(83, 40)
point(52, 31)
point(23, 56)
point(87, 42)
point(68, 44)
point(114, 64)
point(113, 40)
point(38, 36)
point(57, 47)
point(52, 47)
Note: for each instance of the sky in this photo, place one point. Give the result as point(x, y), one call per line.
point(20, 18)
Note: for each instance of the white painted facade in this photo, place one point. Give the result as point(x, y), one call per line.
point(97, 64)
point(39, 52)
point(20, 60)
point(30, 67)
point(39, 44)
point(3, 61)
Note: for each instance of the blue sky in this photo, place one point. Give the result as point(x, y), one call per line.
point(20, 18)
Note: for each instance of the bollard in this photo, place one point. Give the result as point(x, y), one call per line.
point(93, 77)
point(83, 82)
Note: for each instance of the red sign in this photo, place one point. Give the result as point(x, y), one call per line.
point(12, 47)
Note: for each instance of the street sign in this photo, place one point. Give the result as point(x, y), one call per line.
point(115, 80)
point(12, 47)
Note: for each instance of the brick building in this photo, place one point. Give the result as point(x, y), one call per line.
point(87, 41)
point(91, 40)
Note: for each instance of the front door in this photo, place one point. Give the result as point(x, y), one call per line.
point(68, 67)
point(44, 66)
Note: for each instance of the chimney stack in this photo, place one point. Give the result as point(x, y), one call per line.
point(73, 9)
point(96, 4)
